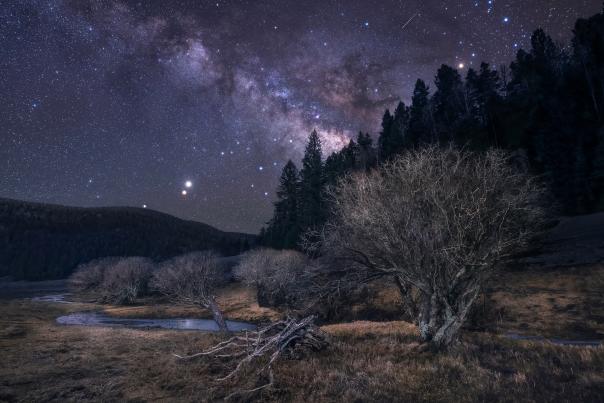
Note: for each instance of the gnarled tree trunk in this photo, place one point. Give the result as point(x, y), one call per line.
point(217, 314)
point(439, 321)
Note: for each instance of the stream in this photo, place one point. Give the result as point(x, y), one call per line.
point(101, 319)
point(209, 325)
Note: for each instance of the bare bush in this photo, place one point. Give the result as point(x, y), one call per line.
point(126, 280)
point(191, 280)
point(438, 222)
point(275, 274)
point(89, 276)
point(115, 280)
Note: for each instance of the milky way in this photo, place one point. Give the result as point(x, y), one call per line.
point(123, 102)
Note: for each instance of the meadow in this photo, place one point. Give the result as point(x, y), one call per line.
point(370, 356)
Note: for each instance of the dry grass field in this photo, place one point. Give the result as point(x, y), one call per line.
point(565, 302)
point(366, 361)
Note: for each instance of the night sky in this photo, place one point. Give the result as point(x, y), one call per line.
point(123, 102)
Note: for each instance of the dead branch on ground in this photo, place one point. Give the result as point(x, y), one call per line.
point(288, 338)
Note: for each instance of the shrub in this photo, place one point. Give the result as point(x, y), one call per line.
point(191, 280)
point(126, 280)
point(89, 276)
point(438, 222)
point(114, 280)
point(275, 273)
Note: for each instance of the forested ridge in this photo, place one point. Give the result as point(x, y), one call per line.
point(58, 238)
point(546, 108)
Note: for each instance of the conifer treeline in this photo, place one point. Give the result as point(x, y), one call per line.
point(548, 106)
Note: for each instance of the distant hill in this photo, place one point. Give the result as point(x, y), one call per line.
point(44, 241)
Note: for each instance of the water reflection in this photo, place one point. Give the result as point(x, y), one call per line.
point(100, 319)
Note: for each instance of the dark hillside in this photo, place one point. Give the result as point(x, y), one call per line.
point(43, 241)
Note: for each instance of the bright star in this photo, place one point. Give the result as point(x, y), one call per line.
point(188, 184)
point(184, 193)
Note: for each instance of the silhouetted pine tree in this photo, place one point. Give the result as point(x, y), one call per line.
point(366, 152)
point(384, 140)
point(482, 97)
point(400, 126)
point(473, 94)
point(311, 212)
point(333, 168)
point(421, 129)
point(588, 53)
point(283, 230)
point(337, 166)
point(392, 138)
point(449, 103)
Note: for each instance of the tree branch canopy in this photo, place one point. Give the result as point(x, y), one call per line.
point(440, 220)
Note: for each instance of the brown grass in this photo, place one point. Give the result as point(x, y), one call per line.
point(237, 302)
point(564, 302)
point(383, 363)
point(367, 361)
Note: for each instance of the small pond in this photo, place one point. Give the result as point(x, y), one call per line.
point(100, 319)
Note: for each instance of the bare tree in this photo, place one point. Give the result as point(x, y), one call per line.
point(438, 222)
point(89, 276)
point(275, 274)
point(116, 280)
point(191, 280)
point(126, 279)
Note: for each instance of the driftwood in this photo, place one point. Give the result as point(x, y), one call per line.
point(288, 338)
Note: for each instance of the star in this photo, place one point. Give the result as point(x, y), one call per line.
point(164, 94)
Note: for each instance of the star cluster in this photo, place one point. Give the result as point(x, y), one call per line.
point(193, 107)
